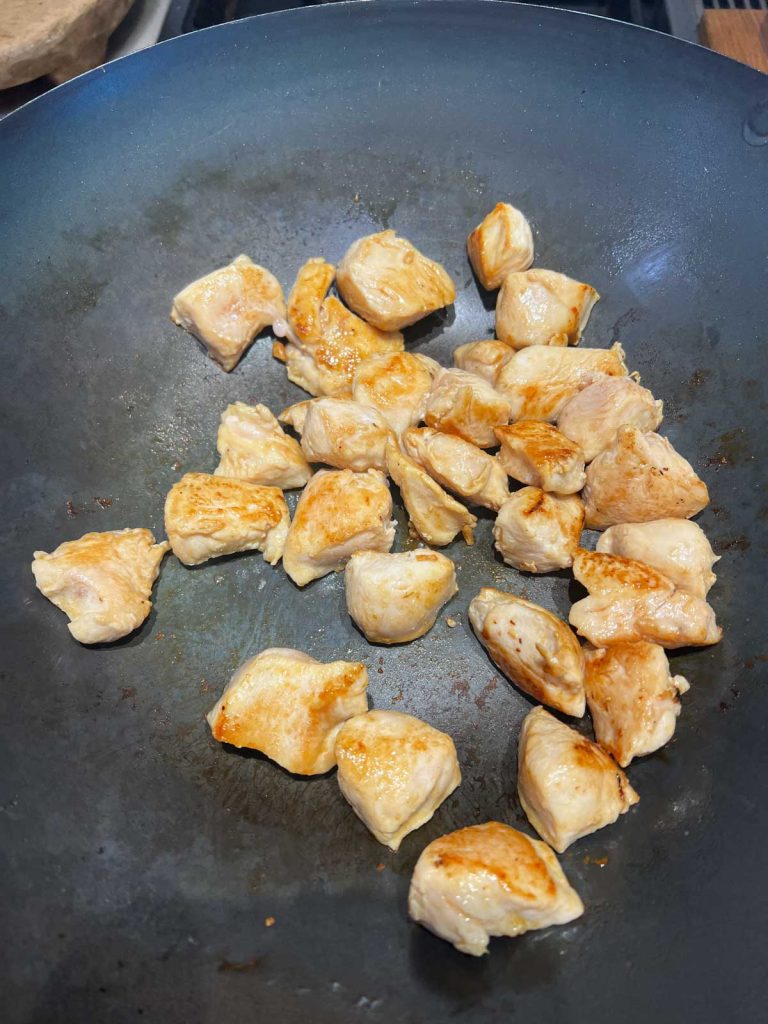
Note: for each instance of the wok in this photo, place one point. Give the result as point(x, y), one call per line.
point(140, 858)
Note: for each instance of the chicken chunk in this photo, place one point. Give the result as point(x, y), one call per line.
point(395, 771)
point(389, 283)
point(489, 880)
point(464, 404)
point(461, 467)
point(345, 434)
point(254, 447)
point(226, 309)
point(434, 514)
point(295, 415)
point(568, 786)
point(290, 707)
point(539, 532)
point(394, 598)
point(209, 516)
point(542, 307)
point(633, 698)
point(102, 582)
point(538, 454)
point(397, 385)
point(339, 512)
point(532, 647)
point(593, 416)
point(500, 244)
point(640, 478)
point(483, 358)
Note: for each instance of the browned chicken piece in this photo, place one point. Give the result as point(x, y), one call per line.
point(532, 647)
point(540, 380)
point(676, 547)
point(339, 512)
point(254, 447)
point(398, 385)
point(500, 244)
point(434, 514)
point(226, 309)
point(567, 785)
point(483, 358)
point(593, 416)
point(633, 699)
point(345, 434)
point(464, 404)
point(542, 307)
point(208, 516)
point(539, 532)
point(102, 582)
point(640, 478)
point(536, 453)
point(290, 707)
point(389, 283)
point(461, 467)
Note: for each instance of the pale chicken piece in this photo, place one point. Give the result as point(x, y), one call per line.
point(676, 547)
point(633, 698)
point(532, 647)
point(395, 771)
point(500, 244)
point(226, 309)
point(464, 404)
point(639, 478)
point(254, 447)
point(542, 307)
point(489, 880)
point(208, 516)
point(540, 380)
point(483, 358)
point(568, 786)
point(339, 512)
point(345, 434)
point(434, 514)
point(102, 582)
point(539, 532)
point(295, 415)
point(389, 283)
point(593, 416)
point(458, 465)
point(290, 707)
point(536, 453)
point(398, 385)
point(395, 598)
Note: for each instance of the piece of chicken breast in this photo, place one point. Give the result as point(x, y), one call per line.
point(500, 244)
point(542, 307)
point(532, 647)
point(208, 516)
point(434, 514)
point(464, 404)
point(398, 385)
point(290, 707)
point(539, 532)
point(389, 283)
point(641, 477)
point(483, 358)
point(102, 582)
point(568, 786)
point(296, 414)
point(254, 447)
point(395, 771)
point(632, 697)
point(593, 416)
point(394, 598)
point(489, 880)
point(463, 468)
point(226, 309)
point(339, 512)
point(344, 434)
point(536, 453)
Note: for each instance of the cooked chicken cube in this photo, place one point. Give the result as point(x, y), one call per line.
point(593, 416)
point(102, 582)
point(397, 385)
point(207, 516)
point(633, 699)
point(500, 244)
point(290, 707)
point(434, 514)
point(539, 532)
point(483, 358)
point(295, 415)
point(538, 454)
point(225, 310)
point(458, 465)
point(389, 283)
point(639, 478)
point(339, 512)
point(489, 880)
point(676, 547)
point(542, 307)
point(532, 647)
point(345, 434)
point(567, 785)
point(395, 771)
point(464, 404)
point(395, 598)
point(253, 446)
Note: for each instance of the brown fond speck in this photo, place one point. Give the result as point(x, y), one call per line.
point(72, 512)
point(460, 687)
point(127, 693)
point(243, 965)
point(159, 636)
point(482, 698)
point(740, 543)
point(103, 502)
point(398, 697)
point(699, 378)
point(719, 513)
point(751, 662)
point(732, 449)
point(723, 706)
point(379, 867)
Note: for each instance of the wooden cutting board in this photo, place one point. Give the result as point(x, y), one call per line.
point(742, 35)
